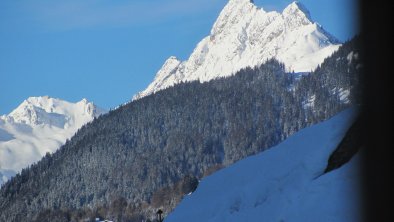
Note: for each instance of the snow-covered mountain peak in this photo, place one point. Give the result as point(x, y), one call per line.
point(234, 13)
point(170, 63)
point(55, 112)
point(84, 100)
point(239, 2)
point(245, 35)
point(33, 110)
point(29, 114)
point(163, 76)
point(37, 126)
point(89, 108)
point(299, 11)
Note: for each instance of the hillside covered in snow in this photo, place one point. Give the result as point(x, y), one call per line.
point(284, 183)
point(147, 154)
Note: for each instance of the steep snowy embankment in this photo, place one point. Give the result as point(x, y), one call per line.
point(285, 183)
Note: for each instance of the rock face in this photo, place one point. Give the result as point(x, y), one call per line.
point(245, 36)
point(37, 126)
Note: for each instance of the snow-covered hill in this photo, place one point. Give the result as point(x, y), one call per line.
point(245, 36)
point(285, 183)
point(37, 126)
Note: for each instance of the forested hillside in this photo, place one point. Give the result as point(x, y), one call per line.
point(147, 154)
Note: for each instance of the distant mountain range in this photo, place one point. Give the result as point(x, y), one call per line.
point(246, 36)
point(257, 79)
point(37, 126)
point(149, 153)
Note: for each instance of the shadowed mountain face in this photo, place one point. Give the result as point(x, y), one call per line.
point(147, 154)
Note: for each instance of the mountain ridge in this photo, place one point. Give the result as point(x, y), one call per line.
point(39, 125)
point(245, 35)
point(135, 159)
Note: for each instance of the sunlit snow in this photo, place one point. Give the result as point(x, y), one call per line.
point(245, 36)
point(39, 125)
point(284, 183)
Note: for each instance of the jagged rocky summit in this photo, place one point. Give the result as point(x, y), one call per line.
point(245, 35)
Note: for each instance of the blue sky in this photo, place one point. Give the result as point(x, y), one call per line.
point(106, 51)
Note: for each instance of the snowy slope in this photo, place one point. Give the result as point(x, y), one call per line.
point(285, 183)
point(245, 35)
point(37, 126)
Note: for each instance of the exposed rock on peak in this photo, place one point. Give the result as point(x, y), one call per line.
point(245, 36)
